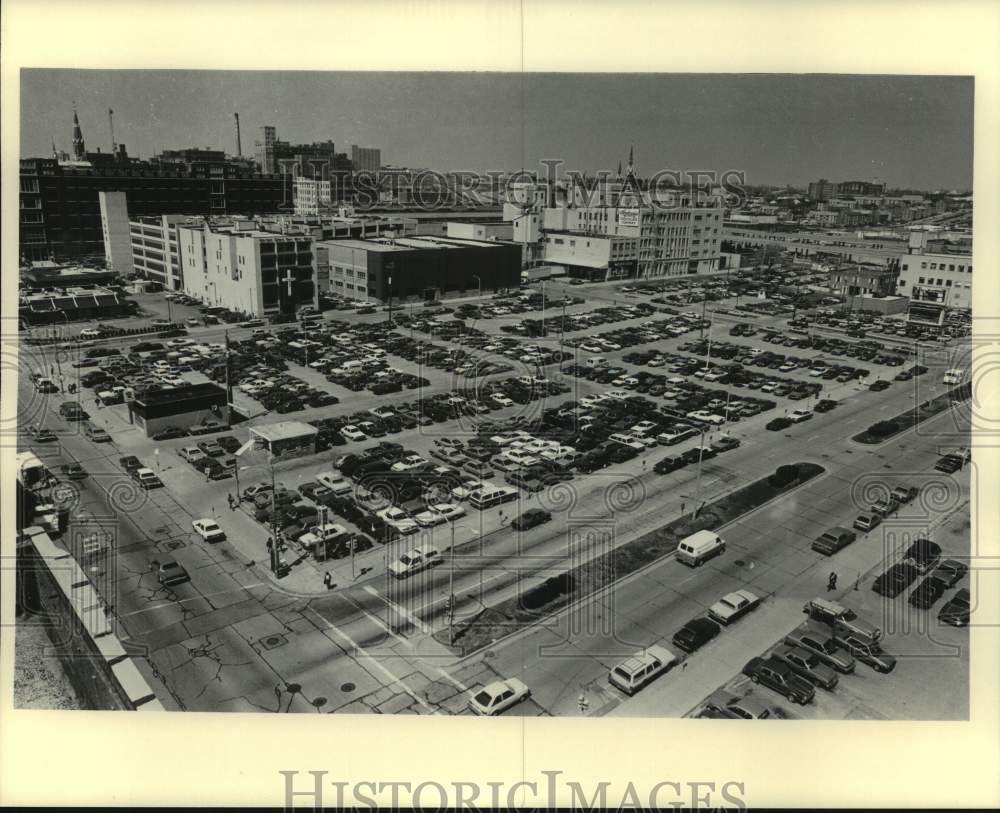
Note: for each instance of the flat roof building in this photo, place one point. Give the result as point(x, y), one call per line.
point(417, 268)
point(183, 407)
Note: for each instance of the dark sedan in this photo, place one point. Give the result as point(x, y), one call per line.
point(956, 610)
point(695, 634)
point(895, 580)
point(927, 593)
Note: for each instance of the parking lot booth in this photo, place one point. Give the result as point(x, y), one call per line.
point(286, 439)
point(183, 407)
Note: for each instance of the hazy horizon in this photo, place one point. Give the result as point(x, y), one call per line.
point(781, 129)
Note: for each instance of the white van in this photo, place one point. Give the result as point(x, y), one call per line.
point(956, 376)
point(597, 361)
point(700, 547)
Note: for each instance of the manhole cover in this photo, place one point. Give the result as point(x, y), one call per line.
point(739, 563)
point(347, 687)
point(174, 544)
point(272, 641)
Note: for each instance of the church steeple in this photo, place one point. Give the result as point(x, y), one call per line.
point(79, 147)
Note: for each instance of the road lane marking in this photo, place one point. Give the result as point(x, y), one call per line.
point(382, 625)
point(398, 609)
point(393, 679)
point(192, 598)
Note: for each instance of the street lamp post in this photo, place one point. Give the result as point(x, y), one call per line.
point(479, 284)
point(451, 587)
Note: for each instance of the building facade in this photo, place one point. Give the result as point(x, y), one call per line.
point(183, 407)
point(936, 277)
point(417, 268)
point(366, 159)
point(115, 230)
point(245, 269)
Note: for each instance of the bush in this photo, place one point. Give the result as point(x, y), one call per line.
point(782, 476)
point(883, 428)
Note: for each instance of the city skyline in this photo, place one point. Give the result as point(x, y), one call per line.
point(909, 132)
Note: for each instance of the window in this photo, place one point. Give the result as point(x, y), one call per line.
point(921, 280)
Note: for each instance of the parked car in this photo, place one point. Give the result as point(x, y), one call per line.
point(736, 708)
point(950, 572)
point(641, 669)
point(923, 554)
point(867, 522)
point(146, 478)
point(833, 540)
point(808, 665)
point(733, 606)
point(926, 594)
point(498, 696)
point(956, 610)
point(840, 619)
point(868, 652)
point(895, 580)
point(695, 633)
point(820, 644)
point(779, 676)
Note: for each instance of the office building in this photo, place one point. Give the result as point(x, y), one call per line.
point(937, 276)
point(862, 280)
point(155, 253)
point(235, 264)
point(480, 230)
point(417, 268)
point(366, 159)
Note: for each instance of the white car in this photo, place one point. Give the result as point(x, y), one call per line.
point(410, 461)
point(618, 395)
point(399, 519)
point(501, 400)
point(351, 432)
point(209, 530)
point(643, 427)
point(799, 415)
point(414, 561)
point(431, 518)
point(706, 417)
point(335, 482)
point(590, 400)
point(733, 606)
point(191, 453)
point(521, 457)
point(448, 510)
point(498, 696)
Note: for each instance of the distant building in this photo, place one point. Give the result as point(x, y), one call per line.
point(857, 280)
point(480, 230)
point(936, 276)
point(418, 268)
point(155, 253)
point(822, 189)
point(366, 159)
point(47, 274)
point(71, 305)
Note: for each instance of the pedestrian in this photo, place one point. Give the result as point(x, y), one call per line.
point(328, 580)
point(831, 583)
point(644, 462)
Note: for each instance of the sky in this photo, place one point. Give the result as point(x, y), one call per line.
point(907, 131)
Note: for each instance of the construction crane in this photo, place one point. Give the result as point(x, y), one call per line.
point(111, 122)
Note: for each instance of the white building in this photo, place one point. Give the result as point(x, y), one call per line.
point(935, 279)
point(114, 225)
point(245, 269)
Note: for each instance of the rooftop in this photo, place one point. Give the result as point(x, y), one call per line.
point(285, 430)
point(187, 392)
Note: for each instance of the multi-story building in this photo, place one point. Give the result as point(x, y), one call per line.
point(822, 189)
point(863, 280)
point(417, 268)
point(366, 159)
point(936, 276)
point(238, 266)
point(60, 207)
point(115, 231)
point(155, 252)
